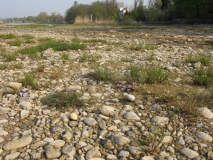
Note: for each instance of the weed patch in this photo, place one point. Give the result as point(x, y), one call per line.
point(9, 57)
point(28, 36)
point(8, 36)
point(63, 100)
point(104, 74)
point(203, 77)
point(15, 43)
point(65, 56)
point(30, 80)
point(203, 59)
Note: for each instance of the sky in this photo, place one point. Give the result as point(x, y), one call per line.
point(25, 8)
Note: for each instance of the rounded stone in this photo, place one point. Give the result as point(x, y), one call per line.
point(74, 116)
point(130, 97)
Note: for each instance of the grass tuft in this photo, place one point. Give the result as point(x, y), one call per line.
point(15, 43)
point(203, 59)
point(30, 79)
point(203, 77)
point(63, 100)
point(104, 74)
point(9, 57)
point(8, 36)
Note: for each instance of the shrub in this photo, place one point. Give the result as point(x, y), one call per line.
point(63, 100)
point(30, 79)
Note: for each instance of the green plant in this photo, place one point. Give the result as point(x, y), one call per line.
point(151, 57)
point(52, 62)
point(28, 36)
point(150, 47)
point(29, 41)
point(203, 59)
point(45, 39)
point(94, 58)
point(156, 74)
point(189, 103)
point(31, 51)
point(9, 57)
point(63, 99)
point(136, 47)
point(65, 56)
point(15, 43)
point(3, 66)
point(151, 142)
point(203, 76)
point(153, 74)
point(30, 79)
point(84, 57)
point(8, 36)
point(104, 74)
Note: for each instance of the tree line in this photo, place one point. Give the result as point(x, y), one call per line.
point(42, 17)
point(155, 10)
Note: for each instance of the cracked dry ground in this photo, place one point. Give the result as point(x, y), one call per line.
point(145, 123)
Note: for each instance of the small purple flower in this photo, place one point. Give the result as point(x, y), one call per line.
point(23, 90)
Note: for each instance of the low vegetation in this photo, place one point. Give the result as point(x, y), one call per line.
point(8, 36)
point(15, 43)
point(8, 57)
point(203, 59)
point(104, 74)
point(203, 77)
point(30, 79)
point(63, 100)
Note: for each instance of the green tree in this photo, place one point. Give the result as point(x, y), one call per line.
point(43, 17)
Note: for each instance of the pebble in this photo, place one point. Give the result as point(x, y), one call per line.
point(74, 116)
point(130, 97)
point(131, 116)
point(90, 121)
point(204, 136)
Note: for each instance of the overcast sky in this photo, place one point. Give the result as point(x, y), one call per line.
point(25, 8)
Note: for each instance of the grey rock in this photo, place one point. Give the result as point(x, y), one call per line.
point(134, 150)
point(68, 150)
point(90, 121)
point(147, 158)
point(204, 111)
point(156, 108)
point(160, 120)
point(123, 153)
point(26, 105)
point(68, 136)
point(73, 123)
point(52, 152)
point(102, 124)
point(189, 153)
point(15, 144)
point(167, 139)
point(131, 116)
point(120, 140)
point(93, 153)
point(107, 110)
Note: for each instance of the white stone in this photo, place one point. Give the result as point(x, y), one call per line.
point(26, 105)
point(19, 143)
point(167, 139)
point(12, 156)
point(107, 110)
point(147, 158)
point(3, 121)
point(57, 143)
point(3, 133)
point(204, 111)
point(130, 97)
point(15, 85)
point(74, 88)
point(189, 153)
point(204, 136)
point(24, 113)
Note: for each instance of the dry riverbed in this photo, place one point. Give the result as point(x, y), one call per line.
point(120, 118)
